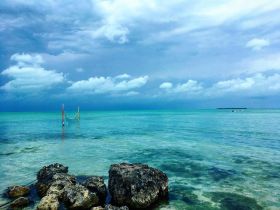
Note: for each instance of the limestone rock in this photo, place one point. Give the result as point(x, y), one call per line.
point(49, 202)
point(17, 191)
point(20, 202)
point(136, 185)
point(96, 184)
point(79, 197)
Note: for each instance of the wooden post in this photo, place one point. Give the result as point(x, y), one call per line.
point(62, 115)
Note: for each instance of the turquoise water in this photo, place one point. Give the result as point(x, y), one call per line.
point(207, 154)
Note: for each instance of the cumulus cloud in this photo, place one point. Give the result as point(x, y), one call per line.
point(258, 84)
point(166, 85)
point(255, 85)
point(101, 85)
point(189, 87)
point(257, 44)
point(29, 76)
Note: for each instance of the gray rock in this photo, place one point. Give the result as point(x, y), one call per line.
point(79, 197)
point(136, 185)
point(96, 184)
point(49, 202)
point(20, 202)
point(97, 208)
point(46, 173)
point(111, 207)
point(17, 191)
point(54, 174)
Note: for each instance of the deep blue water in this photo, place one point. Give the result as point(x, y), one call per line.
point(208, 155)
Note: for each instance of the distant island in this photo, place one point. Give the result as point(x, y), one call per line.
point(232, 108)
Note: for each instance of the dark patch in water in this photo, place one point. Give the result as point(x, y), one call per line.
point(29, 149)
point(149, 155)
point(7, 153)
point(185, 194)
point(184, 169)
point(233, 201)
point(218, 174)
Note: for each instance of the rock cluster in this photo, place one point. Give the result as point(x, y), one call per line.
point(132, 186)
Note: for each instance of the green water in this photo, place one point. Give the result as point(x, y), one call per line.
point(213, 158)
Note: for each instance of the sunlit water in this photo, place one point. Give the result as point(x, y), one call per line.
point(202, 151)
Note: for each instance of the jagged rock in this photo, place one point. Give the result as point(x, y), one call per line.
point(96, 184)
point(17, 191)
point(49, 202)
point(55, 174)
point(136, 185)
point(20, 202)
point(46, 173)
point(110, 207)
point(41, 188)
point(58, 182)
point(97, 208)
point(79, 197)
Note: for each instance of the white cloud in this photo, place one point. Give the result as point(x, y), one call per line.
point(28, 76)
point(257, 44)
point(27, 59)
point(99, 85)
point(190, 87)
point(258, 84)
point(166, 85)
point(123, 76)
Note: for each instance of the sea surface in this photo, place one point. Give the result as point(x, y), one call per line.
point(215, 159)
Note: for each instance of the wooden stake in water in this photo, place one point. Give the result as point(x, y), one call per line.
point(62, 115)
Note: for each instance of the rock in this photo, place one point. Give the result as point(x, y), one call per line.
point(58, 182)
point(79, 197)
point(49, 202)
point(46, 173)
point(20, 202)
point(53, 176)
point(17, 191)
point(41, 188)
point(96, 184)
point(136, 185)
point(111, 207)
point(97, 208)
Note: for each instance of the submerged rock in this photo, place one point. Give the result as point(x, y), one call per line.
point(96, 184)
point(17, 191)
point(136, 185)
point(79, 197)
point(219, 174)
point(49, 202)
point(233, 201)
point(20, 202)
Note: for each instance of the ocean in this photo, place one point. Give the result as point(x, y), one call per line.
point(215, 159)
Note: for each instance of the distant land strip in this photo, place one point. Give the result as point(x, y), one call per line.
point(232, 108)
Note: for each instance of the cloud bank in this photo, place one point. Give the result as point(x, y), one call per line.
point(29, 76)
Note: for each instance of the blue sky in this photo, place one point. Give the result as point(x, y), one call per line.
point(126, 54)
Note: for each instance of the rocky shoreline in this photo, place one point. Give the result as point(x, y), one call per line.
point(131, 186)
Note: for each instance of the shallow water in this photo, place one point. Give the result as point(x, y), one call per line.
point(213, 158)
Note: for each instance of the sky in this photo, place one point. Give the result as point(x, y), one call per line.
point(139, 54)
